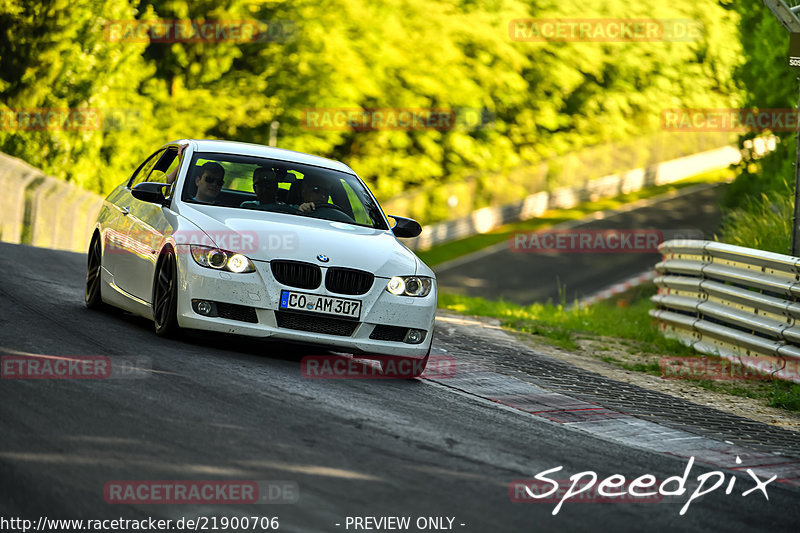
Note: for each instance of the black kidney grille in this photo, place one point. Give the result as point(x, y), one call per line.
point(297, 274)
point(315, 323)
point(348, 281)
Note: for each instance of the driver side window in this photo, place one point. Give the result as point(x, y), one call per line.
point(165, 164)
point(144, 170)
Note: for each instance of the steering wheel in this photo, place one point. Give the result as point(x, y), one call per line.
point(329, 206)
point(286, 208)
point(342, 215)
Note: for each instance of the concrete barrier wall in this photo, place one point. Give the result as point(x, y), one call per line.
point(44, 211)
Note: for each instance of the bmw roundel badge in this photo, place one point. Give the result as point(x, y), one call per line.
point(323, 258)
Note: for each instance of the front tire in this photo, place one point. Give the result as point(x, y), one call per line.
point(404, 367)
point(165, 296)
point(94, 273)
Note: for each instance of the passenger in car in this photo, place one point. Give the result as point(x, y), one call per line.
point(209, 182)
point(265, 185)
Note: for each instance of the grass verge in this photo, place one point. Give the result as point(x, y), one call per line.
point(452, 250)
point(617, 331)
point(563, 326)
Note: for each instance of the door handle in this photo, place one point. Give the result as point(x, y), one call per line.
point(125, 211)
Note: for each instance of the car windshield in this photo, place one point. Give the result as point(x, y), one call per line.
point(246, 182)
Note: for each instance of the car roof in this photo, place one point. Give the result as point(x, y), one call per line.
point(259, 150)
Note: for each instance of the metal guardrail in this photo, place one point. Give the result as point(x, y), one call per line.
point(42, 210)
point(738, 303)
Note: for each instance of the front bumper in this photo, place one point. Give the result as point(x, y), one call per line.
point(259, 290)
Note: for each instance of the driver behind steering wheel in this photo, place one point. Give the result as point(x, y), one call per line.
point(314, 192)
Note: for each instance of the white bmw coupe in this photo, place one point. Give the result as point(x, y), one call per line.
point(250, 240)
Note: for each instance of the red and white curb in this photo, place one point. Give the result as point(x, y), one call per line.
point(478, 381)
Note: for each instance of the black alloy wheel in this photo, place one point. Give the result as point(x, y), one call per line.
point(93, 275)
point(165, 296)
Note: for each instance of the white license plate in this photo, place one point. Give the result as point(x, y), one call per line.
point(315, 303)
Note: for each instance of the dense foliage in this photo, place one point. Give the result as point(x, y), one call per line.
point(760, 202)
point(538, 99)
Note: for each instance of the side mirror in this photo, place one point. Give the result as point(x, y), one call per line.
point(150, 191)
point(406, 228)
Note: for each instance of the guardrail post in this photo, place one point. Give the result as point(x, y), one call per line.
point(796, 216)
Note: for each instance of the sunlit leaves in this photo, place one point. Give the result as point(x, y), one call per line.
point(542, 99)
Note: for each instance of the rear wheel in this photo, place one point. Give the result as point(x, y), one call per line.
point(93, 274)
point(165, 296)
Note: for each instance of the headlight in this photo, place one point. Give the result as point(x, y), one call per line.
point(221, 260)
point(409, 286)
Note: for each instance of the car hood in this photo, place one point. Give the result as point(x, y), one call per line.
point(264, 236)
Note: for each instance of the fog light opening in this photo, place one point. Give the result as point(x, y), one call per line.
point(204, 307)
point(414, 336)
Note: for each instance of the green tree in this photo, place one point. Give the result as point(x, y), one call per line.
point(54, 55)
point(544, 98)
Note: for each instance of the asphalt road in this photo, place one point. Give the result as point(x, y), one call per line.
point(227, 408)
point(526, 278)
